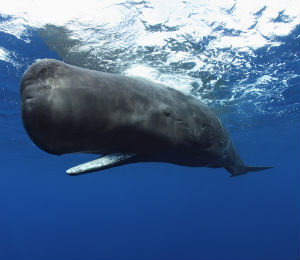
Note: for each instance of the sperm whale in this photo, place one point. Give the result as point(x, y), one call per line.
point(67, 109)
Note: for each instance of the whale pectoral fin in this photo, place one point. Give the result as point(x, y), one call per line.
point(104, 162)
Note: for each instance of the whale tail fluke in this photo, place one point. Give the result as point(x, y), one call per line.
point(257, 169)
point(243, 169)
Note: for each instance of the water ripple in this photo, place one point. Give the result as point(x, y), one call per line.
point(241, 58)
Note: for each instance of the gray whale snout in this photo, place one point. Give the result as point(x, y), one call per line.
point(67, 109)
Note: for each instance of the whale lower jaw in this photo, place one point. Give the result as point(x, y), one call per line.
point(104, 162)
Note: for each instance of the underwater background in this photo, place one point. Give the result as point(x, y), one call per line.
point(239, 57)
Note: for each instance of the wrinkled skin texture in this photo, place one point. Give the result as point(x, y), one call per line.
point(67, 109)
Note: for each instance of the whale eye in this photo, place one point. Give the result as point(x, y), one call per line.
point(204, 125)
point(167, 113)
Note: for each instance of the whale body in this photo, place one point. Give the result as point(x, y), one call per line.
point(67, 109)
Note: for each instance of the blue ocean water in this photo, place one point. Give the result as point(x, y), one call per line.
point(154, 210)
